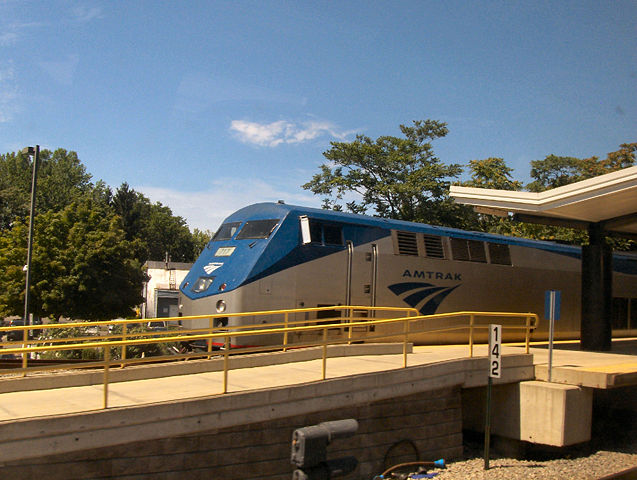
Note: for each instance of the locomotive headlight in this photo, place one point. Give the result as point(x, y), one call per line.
point(221, 306)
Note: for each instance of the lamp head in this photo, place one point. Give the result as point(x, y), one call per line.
point(28, 150)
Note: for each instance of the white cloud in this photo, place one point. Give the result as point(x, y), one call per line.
point(9, 96)
point(198, 92)
point(86, 13)
point(8, 38)
point(206, 210)
point(276, 133)
point(62, 71)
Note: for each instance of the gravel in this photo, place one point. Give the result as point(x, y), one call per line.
point(612, 450)
point(594, 466)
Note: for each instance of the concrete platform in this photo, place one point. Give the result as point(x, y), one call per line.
point(61, 420)
point(599, 370)
point(75, 392)
point(62, 413)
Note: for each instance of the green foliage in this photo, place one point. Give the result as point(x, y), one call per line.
point(61, 180)
point(158, 231)
point(82, 266)
point(492, 173)
point(89, 244)
point(552, 172)
point(74, 335)
point(201, 239)
point(394, 177)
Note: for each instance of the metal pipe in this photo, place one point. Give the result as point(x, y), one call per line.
point(471, 321)
point(226, 354)
point(210, 327)
point(107, 361)
point(285, 335)
point(124, 334)
point(324, 353)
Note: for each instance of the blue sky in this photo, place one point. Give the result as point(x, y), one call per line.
point(209, 106)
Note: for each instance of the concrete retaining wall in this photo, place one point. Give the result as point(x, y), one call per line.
point(425, 425)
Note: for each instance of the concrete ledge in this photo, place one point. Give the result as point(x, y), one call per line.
point(36, 437)
point(79, 378)
point(603, 376)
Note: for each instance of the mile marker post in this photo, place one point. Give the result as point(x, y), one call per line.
point(495, 369)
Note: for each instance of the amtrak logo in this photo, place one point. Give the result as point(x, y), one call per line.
point(211, 267)
point(425, 297)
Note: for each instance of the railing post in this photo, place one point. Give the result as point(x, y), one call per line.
point(210, 327)
point(528, 333)
point(285, 335)
point(124, 335)
point(350, 315)
point(324, 353)
point(107, 362)
point(406, 329)
point(25, 355)
point(471, 320)
point(226, 354)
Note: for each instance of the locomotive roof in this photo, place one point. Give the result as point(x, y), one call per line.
point(281, 210)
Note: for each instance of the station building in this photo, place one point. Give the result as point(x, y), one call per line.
point(161, 291)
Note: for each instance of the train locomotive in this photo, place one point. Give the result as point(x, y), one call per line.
point(271, 256)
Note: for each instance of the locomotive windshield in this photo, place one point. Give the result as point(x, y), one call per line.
point(226, 231)
point(257, 229)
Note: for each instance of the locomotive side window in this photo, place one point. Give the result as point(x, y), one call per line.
point(316, 234)
point(624, 313)
point(459, 249)
point(332, 234)
point(499, 254)
point(257, 229)
point(476, 251)
point(226, 231)
point(320, 233)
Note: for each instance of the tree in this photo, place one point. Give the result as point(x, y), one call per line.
point(82, 265)
point(551, 172)
point(201, 239)
point(394, 177)
point(15, 185)
point(166, 233)
point(554, 171)
point(492, 173)
point(62, 179)
point(159, 231)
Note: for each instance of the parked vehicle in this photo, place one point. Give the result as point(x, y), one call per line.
point(17, 335)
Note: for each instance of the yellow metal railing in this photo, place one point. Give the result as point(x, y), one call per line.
point(400, 324)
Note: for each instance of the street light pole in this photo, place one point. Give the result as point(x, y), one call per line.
point(36, 159)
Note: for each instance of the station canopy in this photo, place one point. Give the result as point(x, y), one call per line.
point(609, 200)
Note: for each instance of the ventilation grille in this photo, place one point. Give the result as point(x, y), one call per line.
point(407, 244)
point(433, 246)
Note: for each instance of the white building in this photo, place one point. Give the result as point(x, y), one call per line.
point(161, 292)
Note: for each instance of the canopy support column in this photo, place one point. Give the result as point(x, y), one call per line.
point(597, 291)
